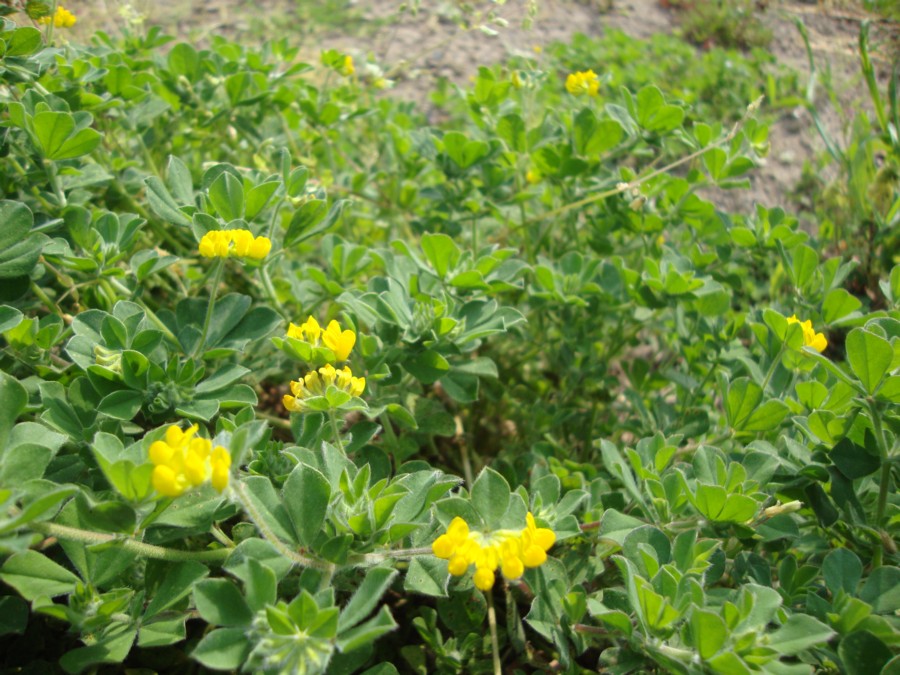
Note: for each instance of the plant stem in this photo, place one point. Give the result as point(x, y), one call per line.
point(492, 623)
point(332, 415)
point(129, 544)
point(772, 368)
point(885, 482)
point(395, 554)
point(257, 519)
point(217, 278)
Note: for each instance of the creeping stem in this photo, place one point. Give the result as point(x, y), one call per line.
point(213, 291)
point(129, 544)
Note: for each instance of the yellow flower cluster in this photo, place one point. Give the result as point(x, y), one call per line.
point(810, 337)
point(316, 383)
point(338, 341)
point(62, 18)
point(346, 68)
point(582, 83)
point(184, 460)
point(239, 243)
point(510, 550)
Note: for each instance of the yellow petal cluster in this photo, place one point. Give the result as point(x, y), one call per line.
point(183, 461)
point(582, 83)
point(810, 337)
point(316, 383)
point(339, 341)
point(346, 68)
point(237, 243)
point(510, 550)
point(62, 18)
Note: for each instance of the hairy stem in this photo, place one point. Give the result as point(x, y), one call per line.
point(129, 544)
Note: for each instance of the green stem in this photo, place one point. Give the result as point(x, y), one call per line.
point(54, 178)
point(128, 543)
point(213, 291)
point(495, 643)
point(257, 519)
point(884, 483)
point(332, 415)
point(161, 506)
point(772, 368)
point(274, 420)
point(395, 554)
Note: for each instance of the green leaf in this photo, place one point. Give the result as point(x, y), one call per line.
point(842, 571)
point(799, 632)
point(870, 357)
point(261, 585)
point(428, 576)
point(220, 603)
point(163, 204)
point(179, 180)
point(10, 317)
point(227, 196)
point(311, 219)
point(366, 597)
point(462, 151)
point(183, 60)
point(708, 632)
point(839, 304)
point(511, 129)
point(803, 265)
point(306, 497)
point(19, 250)
point(490, 496)
point(741, 401)
point(368, 632)
point(258, 197)
point(111, 648)
point(177, 583)
point(853, 460)
point(653, 114)
point(34, 575)
point(24, 462)
point(121, 405)
point(882, 590)
point(617, 526)
point(428, 366)
point(223, 649)
point(441, 251)
point(766, 417)
point(13, 399)
point(863, 654)
point(162, 632)
point(23, 41)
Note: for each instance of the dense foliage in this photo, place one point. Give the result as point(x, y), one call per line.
point(297, 380)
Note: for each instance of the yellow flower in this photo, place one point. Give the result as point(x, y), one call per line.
point(62, 18)
point(582, 83)
point(183, 460)
point(810, 337)
point(316, 383)
point(238, 243)
point(510, 550)
point(346, 68)
point(339, 341)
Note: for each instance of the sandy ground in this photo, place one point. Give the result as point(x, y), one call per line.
point(422, 48)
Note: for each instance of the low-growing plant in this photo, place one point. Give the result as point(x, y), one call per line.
point(294, 381)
